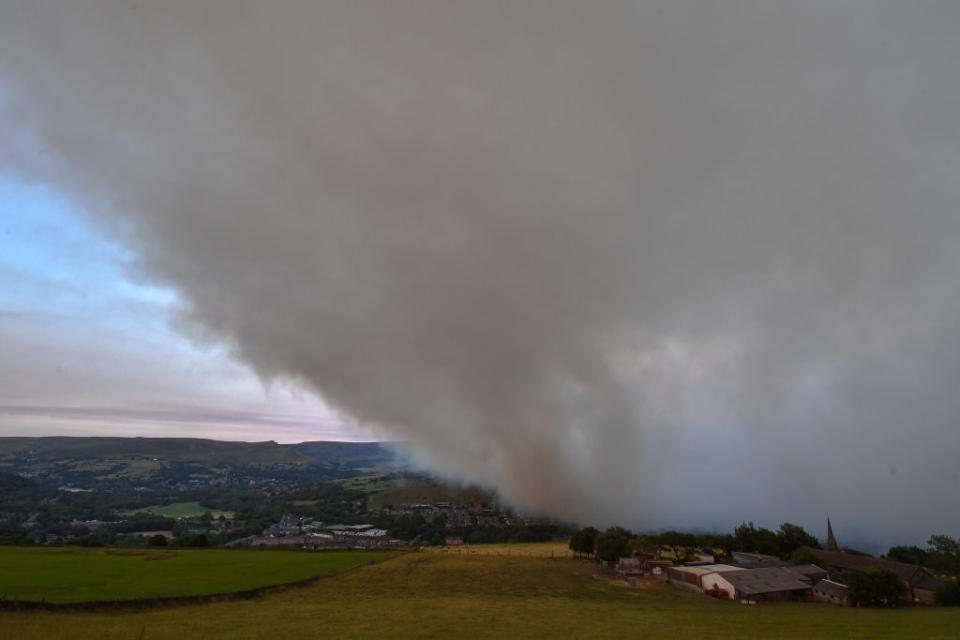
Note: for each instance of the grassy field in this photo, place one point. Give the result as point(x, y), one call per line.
point(523, 594)
point(407, 490)
point(554, 550)
point(177, 509)
point(76, 575)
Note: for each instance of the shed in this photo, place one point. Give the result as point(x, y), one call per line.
point(629, 567)
point(760, 585)
point(831, 592)
point(657, 567)
point(687, 577)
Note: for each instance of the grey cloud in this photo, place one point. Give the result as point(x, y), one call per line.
point(63, 375)
point(659, 263)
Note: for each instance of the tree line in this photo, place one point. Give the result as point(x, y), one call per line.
point(875, 586)
point(789, 542)
point(746, 537)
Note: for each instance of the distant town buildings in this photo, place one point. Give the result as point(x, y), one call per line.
point(304, 533)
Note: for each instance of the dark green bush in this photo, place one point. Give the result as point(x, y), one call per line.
point(948, 594)
point(875, 587)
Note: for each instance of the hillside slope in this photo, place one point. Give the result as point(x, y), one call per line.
point(105, 460)
point(512, 595)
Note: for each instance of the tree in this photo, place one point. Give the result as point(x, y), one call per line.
point(612, 544)
point(768, 542)
point(584, 540)
point(805, 555)
point(526, 535)
point(948, 594)
point(673, 540)
point(158, 540)
point(745, 537)
point(646, 546)
point(944, 554)
point(688, 543)
point(191, 540)
point(875, 586)
point(909, 554)
point(726, 543)
point(944, 545)
point(793, 536)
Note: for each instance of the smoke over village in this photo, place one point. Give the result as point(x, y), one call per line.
point(661, 264)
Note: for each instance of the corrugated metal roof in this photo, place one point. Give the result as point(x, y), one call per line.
point(807, 571)
point(768, 580)
point(720, 567)
point(763, 564)
point(746, 557)
point(912, 574)
point(924, 580)
point(831, 588)
point(697, 571)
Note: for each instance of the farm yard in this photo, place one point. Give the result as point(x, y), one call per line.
point(513, 591)
point(69, 575)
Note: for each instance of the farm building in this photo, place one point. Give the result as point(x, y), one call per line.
point(691, 577)
point(686, 577)
point(808, 572)
point(921, 582)
point(629, 567)
point(657, 567)
point(741, 557)
point(831, 592)
point(773, 584)
point(719, 567)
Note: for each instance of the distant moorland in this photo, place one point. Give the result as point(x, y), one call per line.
point(122, 491)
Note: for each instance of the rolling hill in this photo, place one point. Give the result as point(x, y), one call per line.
point(103, 460)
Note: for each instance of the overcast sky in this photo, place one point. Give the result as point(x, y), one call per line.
point(89, 348)
point(652, 263)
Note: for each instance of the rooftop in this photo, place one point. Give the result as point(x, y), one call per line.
point(766, 580)
point(831, 588)
point(912, 574)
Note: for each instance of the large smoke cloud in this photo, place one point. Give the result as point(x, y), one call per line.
point(659, 263)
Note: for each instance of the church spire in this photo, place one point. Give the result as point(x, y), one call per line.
point(831, 541)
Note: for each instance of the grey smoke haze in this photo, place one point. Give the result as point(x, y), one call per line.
point(652, 263)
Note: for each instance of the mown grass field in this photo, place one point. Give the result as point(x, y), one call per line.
point(177, 509)
point(77, 575)
point(523, 594)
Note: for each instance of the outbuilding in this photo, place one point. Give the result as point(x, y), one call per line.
point(921, 582)
point(692, 577)
point(773, 584)
point(831, 592)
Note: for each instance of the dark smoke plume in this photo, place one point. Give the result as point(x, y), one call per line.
point(658, 263)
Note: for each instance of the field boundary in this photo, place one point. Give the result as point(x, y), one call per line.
point(173, 601)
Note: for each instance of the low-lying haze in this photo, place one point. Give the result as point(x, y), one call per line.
point(652, 263)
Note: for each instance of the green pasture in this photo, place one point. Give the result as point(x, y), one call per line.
point(458, 593)
point(178, 509)
point(76, 575)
